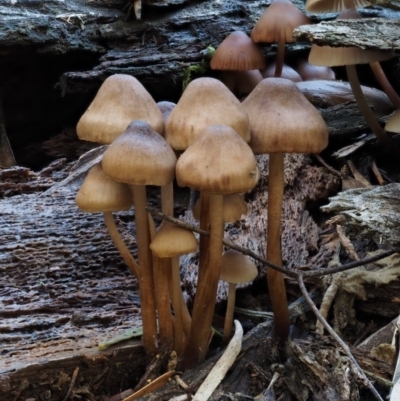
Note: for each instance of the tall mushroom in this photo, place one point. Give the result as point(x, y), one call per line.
point(282, 121)
point(139, 157)
point(218, 162)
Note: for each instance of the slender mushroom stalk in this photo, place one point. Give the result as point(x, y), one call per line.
point(367, 112)
point(146, 287)
point(276, 285)
point(120, 244)
point(161, 294)
point(385, 84)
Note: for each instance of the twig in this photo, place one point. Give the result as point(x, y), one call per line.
point(377, 173)
point(72, 384)
point(344, 346)
point(314, 272)
point(152, 386)
point(327, 166)
point(218, 372)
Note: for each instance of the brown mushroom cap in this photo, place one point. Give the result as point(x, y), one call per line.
point(237, 268)
point(219, 161)
point(120, 100)
point(237, 52)
point(234, 207)
point(140, 156)
point(172, 240)
point(278, 22)
point(100, 193)
point(205, 102)
point(282, 120)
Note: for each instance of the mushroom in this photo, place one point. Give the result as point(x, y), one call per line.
point(217, 163)
point(120, 100)
point(99, 193)
point(172, 241)
point(393, 124)
point(349, 57)
point(235, 269)
point(282, 121)
point(277, 25)
point(139, 157)
point(236, 54)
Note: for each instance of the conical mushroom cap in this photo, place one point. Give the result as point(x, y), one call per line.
point(172, 240)
point(140, 156)
point(120, 100)
point(234, 206)
point(282, 120)
point(100, 193)
point(278, 22)
point(237, 52)
point(219, 161)
point(237, 268)
point(205, 102)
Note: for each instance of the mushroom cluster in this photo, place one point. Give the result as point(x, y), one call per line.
point(206, 142)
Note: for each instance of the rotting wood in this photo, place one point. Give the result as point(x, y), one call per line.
point(372, 212)
point(371, 33)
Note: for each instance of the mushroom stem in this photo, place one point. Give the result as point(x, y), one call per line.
point(385, 84)
point(276, 284)
point(230, 308)
point(120, 244)
point(367, 112)
point(280, 56)
point(207, 283)
point(177, 304)
point(182, 316)
point(148, 309)
point(161, 293)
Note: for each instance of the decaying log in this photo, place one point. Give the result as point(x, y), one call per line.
point(370, 212)
point(371, 33)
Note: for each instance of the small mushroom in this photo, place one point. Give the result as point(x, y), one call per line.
point(170, 242)
point(235, 269)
